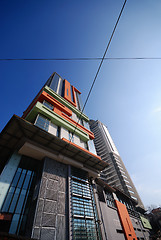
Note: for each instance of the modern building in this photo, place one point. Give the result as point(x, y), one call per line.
point(115, 174)
point(49, 175)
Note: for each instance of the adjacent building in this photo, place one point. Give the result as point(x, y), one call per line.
point(49, 175)
point(115, 174)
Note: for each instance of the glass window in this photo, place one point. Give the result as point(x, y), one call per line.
point(84, 214)
point(14, 223)
point(91, 147)
point(79, 101)
point(72, 98)
point(42, 122)
point(47, 104)
point(71, 137)
point(58, 132)
point(20, 193)
point(54, 82)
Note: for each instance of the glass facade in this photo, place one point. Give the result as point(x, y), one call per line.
point(70, 136)
point(110, 199)
point(84, 215)
point(47, 104)
point(42, 122)
point(19, 195)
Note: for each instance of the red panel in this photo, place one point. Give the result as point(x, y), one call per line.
point(125, 221)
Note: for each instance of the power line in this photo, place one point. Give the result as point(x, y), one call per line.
point(100, 65)
point(80, 59)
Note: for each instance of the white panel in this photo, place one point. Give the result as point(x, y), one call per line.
point(53, 129)
point(77, 141)
point(64, 133)
point(109, 140)
point(74, 117)
point(7, 175)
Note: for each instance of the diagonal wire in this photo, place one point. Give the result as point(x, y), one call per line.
point(100, 65)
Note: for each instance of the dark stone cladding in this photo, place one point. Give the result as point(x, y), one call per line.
point(51, 211)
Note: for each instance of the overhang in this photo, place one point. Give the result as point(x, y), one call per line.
point(19, 131)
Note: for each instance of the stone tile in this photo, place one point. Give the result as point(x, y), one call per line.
point(36, 233)
point(62, 184)
point(52, 184)
point(51, 194)
point(61, 228)
point(47, 234)
point(39, 212)
point(42, 187)
point(61, 203)
point(48, 220)
point(50, 206)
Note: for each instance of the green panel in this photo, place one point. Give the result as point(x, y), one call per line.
point(56, 119)
point(145, 222)
point(66, 103)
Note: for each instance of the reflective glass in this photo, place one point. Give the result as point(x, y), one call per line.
point(54, 82)
point(14, 223)
point(27, 180)
point(16, 177)
point(83, 207)
point(21, 179)
point(20, 201)
point(42, 122)
point(8, 200)
point(47, 104)
point(14, 200)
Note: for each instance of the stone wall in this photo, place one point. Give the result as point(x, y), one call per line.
point(51, 217)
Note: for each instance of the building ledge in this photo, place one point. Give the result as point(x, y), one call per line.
point(18, 131)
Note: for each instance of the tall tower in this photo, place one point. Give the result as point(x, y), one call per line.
point(49, 175)
point(47, 162)
point(115, 174)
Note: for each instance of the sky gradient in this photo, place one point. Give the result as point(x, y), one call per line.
point(127, 93)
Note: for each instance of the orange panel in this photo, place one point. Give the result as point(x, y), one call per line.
point(125, 221)
point(85, 150)
point(5, 216)
point(57, 104)
point(67, 92)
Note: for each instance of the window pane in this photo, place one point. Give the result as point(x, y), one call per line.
point(27, 179)
point(8, 200)
point(47, 104)
point(42, 122)
point(16, 177)
point(20, 201)
point(14, 223)
point(14, 201)
point(21, 179)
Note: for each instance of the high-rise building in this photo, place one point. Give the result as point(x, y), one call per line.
point(115, 174)
point(49, 175)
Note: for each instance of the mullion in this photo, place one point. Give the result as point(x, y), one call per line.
point(25, 200)
point(19, 192)
point(14, 190)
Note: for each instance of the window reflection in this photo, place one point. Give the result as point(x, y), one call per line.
point(18, 194)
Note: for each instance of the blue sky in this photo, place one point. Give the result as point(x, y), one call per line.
point(127, 93)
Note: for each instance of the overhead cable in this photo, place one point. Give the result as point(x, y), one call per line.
point(100, 65)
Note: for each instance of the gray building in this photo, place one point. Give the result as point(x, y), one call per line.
point(116, 174)
point(49, 176)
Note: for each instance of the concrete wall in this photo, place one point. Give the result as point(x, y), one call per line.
point(112, 224)
point(51, 214)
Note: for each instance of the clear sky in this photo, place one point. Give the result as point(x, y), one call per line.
point(127, 94)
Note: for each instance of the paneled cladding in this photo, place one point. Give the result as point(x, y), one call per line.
point(115, 174)
point(51, 212)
